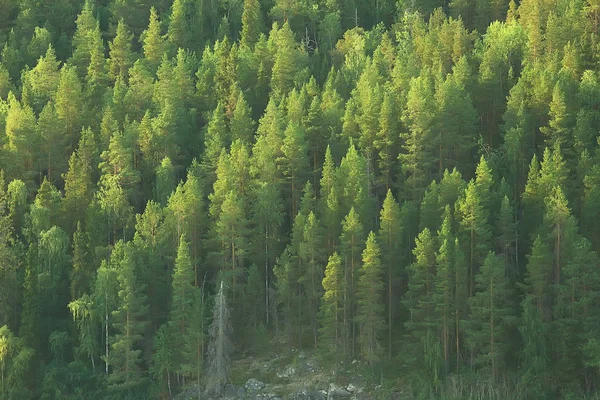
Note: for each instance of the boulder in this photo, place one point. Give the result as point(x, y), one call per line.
point(352, 388)
point(232, 392)
point(254, 386)
point(337, 392)
point(306, 394)
point(287, 373)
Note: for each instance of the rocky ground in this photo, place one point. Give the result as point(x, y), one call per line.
point(292, 376)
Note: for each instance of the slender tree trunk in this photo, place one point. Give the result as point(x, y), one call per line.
point(106, 333)
point(267, 272)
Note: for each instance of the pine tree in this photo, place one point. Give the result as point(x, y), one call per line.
point(120, 56)
point(251, 23)
point(417, 156)
point(370, 307)
point(351, 245)
point(561, 229)
point(193, 353)
point(163, 361)
point(475, 230)
point(490, 315)
point(294, 160)
point(444, 283)
point(419, 299)
point(179, 31)
point(330, 313)
point(242, 125)
point(82, 273)
point(165, 181)
point(86, 24)
point(129, 322)
point(154, 44)
point(288, 61)
point(386, 139)
point(390, 236)
point(219, 346)
point(53, 157)
point(232, 233)
point(311, 256)
point(69, 102)
point(182, 302)
point(214, 140)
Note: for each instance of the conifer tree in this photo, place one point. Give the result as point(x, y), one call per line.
point(242, 125)
point(310, 253)
point(370, 307)
point(86, 24)
point(81, 274)
point(214, 140)
point(163, 361)
point(330, 313)
point(294, 160)
point(420, 300)
point(386, 139)
point(475, 230)
point(288, 61)
point(69, 102)
point(444, 283)
point(390, 236)
point(154, 44)
point(182, 302)
point(179, 31)
point(193, 353)
point(251, 23)
point(417, 158)
point(165, 181)
point(490, 315)
point(232, 233)
point(129, 322)
point(120, 55)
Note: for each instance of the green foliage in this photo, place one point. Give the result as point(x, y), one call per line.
point(462, 134)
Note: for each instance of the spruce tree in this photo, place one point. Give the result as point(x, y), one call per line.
point(251, 23)
point(390, 236)
point(120, 55)
point(330, 313)
point(490, 315)
point(154, 44)
point(129, 322)
point(370, 307)
point(182, 302)
point(311, 256)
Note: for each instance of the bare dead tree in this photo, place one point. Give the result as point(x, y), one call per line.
point(219, 346)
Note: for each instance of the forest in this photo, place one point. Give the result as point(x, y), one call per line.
point(413, 186)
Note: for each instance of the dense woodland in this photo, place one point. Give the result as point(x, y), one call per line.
point(414, 185)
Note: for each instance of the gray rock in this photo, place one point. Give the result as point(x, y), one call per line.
point(352, 388)
point(337, 392)
point(265, 396)
point(232, 392)
point(287, 373)
point(306, 394)
point(254, 385)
